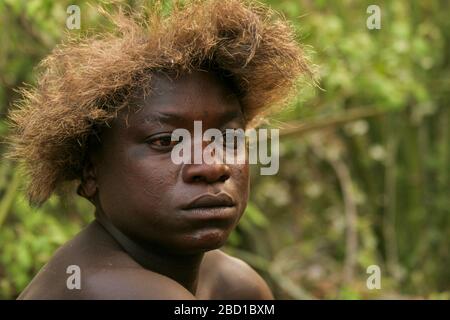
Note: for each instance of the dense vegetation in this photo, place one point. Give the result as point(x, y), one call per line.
point(365, 158)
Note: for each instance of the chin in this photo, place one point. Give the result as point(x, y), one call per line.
point(205, 240)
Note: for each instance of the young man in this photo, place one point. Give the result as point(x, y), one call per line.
point(103, 114)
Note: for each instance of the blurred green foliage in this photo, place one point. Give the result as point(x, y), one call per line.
point(364, 168)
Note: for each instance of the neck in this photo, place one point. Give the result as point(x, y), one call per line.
point(182, 268)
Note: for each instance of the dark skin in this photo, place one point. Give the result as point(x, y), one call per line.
point(152, 237)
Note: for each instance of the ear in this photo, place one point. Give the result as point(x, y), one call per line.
point(88, 185)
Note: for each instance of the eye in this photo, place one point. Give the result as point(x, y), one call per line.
point(233, 138)
point(162, 141)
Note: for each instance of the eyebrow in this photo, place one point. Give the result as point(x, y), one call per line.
point(176, 119)
point(162, 117)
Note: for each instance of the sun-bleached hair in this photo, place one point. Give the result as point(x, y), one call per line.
point(84, 82)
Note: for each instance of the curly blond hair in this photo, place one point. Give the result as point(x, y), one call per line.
point(84, 82)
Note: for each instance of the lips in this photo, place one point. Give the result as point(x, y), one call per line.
point(210, 201)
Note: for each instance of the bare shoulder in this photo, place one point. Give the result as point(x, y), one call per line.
point(132, 283)
point(108, 284)
point(91, 266)
point(234, 278)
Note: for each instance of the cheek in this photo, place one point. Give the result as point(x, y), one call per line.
point(242, 180)
point(138, 187)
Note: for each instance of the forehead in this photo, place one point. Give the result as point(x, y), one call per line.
point(195, 96)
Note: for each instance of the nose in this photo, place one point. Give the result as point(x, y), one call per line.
point(207, 173)
point(218, 171)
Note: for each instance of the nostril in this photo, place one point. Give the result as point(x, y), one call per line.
point(199, 178)
point(206, 173)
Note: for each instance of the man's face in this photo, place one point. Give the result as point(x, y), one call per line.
point(183, 208)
